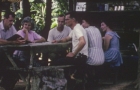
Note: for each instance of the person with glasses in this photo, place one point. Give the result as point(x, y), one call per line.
point(78, 55)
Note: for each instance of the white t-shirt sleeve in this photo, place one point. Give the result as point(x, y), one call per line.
point(50, 36)
point(78, 33)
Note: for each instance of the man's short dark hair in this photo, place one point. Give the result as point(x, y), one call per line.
point(61, 15)
point(6, 15)
point(88, 20)
point(74, 15)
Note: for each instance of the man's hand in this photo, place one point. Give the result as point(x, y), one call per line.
point(25, 30)
point(70, 54)
point(19, 41)
point(54, 41)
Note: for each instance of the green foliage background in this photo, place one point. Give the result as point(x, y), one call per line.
point(38, 11)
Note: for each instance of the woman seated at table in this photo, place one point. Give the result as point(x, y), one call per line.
point(30, 36)
point(111, 45)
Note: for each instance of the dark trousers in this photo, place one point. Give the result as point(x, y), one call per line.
point(112, 72)
point(79, 63)
point(94, 73)
point(8, 77)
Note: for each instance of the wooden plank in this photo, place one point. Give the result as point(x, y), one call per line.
point(42, 68)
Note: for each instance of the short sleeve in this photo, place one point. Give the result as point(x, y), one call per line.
point(20, 32)
point(36, 36)
point(50, 36)
point(110, 33)
point(70, 34)
point(78, 33)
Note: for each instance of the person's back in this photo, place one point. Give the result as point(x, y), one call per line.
point(95, 37)
point(114, 44)
point(96, 54)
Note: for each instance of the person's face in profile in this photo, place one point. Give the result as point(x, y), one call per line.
point(68, 20)
point(104, 26)
point(61, 21)
point(8, 22)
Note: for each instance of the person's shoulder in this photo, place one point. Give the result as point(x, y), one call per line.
point(110, 33)
point(53, 29)
point(1, 22)
point(19, 31)
point(1, 25)
point(67, 28)
point(13, 28)
point(78, 26)
point(32, 31)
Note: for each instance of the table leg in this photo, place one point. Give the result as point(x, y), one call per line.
point(35, 82)
point(28, 82)
point(28, 85)
point(14, 64)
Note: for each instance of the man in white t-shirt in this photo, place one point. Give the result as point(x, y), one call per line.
point(57, 33)
point(79, 39)
point(79, 53)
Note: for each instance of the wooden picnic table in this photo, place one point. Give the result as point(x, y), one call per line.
point(35, 48)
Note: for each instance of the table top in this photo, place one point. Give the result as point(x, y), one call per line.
point(40, 47)
point(36, 44)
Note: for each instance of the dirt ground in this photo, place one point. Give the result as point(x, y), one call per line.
point(122, 85)
point(103, 85)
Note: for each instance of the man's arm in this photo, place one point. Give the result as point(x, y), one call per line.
point(81, 44)
point(40, 40)
point(2, 42)
point(62, 40)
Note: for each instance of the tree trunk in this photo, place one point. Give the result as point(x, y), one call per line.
point(26, 8)
point(71, 5)
point(46, 29)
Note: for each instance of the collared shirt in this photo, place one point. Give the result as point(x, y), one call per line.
point(5, 34)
